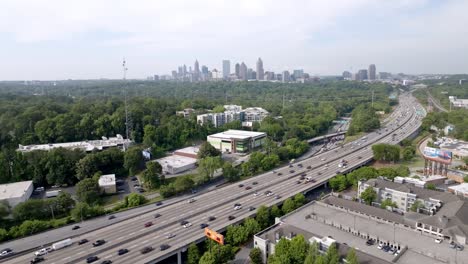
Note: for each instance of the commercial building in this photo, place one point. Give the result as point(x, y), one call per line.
point(237, 141)
point(237, 70)
point(372, 74)
point(243, 72)
point(88, 145)
point(226, 69)
point(347, 75)
point(190, 152)
point(15, 193)
point(460, 189)
point(260, 70)
point(234, 113)
point(175, 164)
point(107, 183)
point(286, 77)
point(462, 103)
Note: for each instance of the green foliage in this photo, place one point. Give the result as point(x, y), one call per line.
point(231, 173)
point(107, 161)
point(88, 191)
point(134, 199)
point(312, 253)
point(430, 186)
point(351, 257)
point(183, 183)
point(364, 119)
point(152, 177)
point(363, 173)
point(299, 200)
point(275, 211)
point(3, 234)
point(296, 147)
point(167, 190)
point(388, 202)
point(332, 255)
point(369, 195)
point(388, 173)
point(218, 109)
point(263, 216)
point(416, 205)
point(38, 209)
point(288, 206)
point(207, 166)
point(269, 162)
point(83, 211)
point(208, 258)
point(402, 171)
point(4, 209)
point(465, 179)
point(255, 255)
point(338, 183)
point(386, 152)
point(207, 150)
point(133, 160)
point(193, 254)
point(408, 153)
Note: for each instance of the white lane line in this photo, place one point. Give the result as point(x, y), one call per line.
point(133, 246)
point(108, 256)
point(120, 237)
point(81, 252)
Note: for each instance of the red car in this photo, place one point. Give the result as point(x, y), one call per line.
point(148, 224)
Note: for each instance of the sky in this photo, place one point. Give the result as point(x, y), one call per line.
point(87, 39)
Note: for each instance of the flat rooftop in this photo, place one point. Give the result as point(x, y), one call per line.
point(462, 187)
point(189, 150)
point(14, 190)
point(237, 134)
point(176, 161)
point(107, 180)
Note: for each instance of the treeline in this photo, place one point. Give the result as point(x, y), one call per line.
point(458, 118)
point(364, 119)
point(394, 153)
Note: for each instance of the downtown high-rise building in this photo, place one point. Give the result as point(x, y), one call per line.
point(260, 71)
point(286, 76)
point(226, 69)
point(237, 70)
point(243, 72)
point(196, 71)
point(372, 75)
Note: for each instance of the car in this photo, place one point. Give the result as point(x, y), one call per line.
point(37, 260)
point(277, 196)
point(203, 225)
point(459, 247)
point(107, 261)
point(187, 225)
point(111, 217)
point(438, 240)
point(370, 242)
point(248, 187)
point(290, 166)
point(397, 252)
point(158, 203)
point(134, 178)
point(237, 206)
point(326, 165)
point(386, 248)
point(323, 159)
point(251, 208)
point(183, 222)
point(392, 251)
point(146, 249)
point(194, 191)
point(279, 173)
point(91, 259)
point(99, 243)
point(452, 245)
point(241, 185)
point(338, 172)
point(83, 241)
point(164, 247)
point(231, 217)
point(191, 200)
point(76, 227)
point(211, 218)
point(256, 194)
point(301, 177)
point(359, 157)
point(269, 193)
point(309, 167)
point(254, 183)
point(157, 215)
point(148, 224)
point(319, 173)
point(298, 182)
point(41, 252)
point(170, 235)
point(122, 251)
point(5, 252)
point(291, 171)
point(140, 190)
point(380, 246)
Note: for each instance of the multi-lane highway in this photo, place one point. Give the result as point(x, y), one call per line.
point(132, 234)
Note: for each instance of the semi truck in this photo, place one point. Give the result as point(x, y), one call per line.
point(51, 194)
point(61, 244)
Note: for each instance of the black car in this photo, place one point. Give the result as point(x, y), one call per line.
point(299, 165)
point(158, 203)
point(248, 188)
point(277, 197)
point(254, 183)
point(134, 178)
point(291, 171)
point(241, 185)
point(231, 217)
point(146, 250)
point(111, 217)
point(76, 227)
point(298, 182)
point(359, 157)
point(370, 242)
point(99, 243)
point(290, 166)
point(309, 167)
point(37, 260)
point(251, 208)
point(319, 173)
point(279, 173)
point(203, 225)
point(183, 222)
point(91, 259)
point(301, 177)
point(107, 262)
point(83, 241)
point(5, 252)
point(122, 251)
point(211, 218)
point(164, 247)
point(338, 172)
point(157, 215)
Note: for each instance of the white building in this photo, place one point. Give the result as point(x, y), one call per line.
point(463, 103)
point(237, 141)
point(460, 189)
point(176, 164)
point(15, 193)
point(88, 145)
point(234, 113)
point(107, 183)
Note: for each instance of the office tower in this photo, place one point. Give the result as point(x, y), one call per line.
point(260, 71)
point(226, 68)
point(243, 72)
point(286, 76)
point(174, 75)
point(156, 77)
point(372, 72)
point(196, 71)
point(184, 70)
point(385, 75)
point(298, 74)
point(362, 75)
point(254, 75)
point(237, 69)
point(249, 74)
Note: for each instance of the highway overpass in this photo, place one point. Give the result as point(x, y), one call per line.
point(132, 235)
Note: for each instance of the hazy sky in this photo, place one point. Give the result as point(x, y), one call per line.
point(61, 39)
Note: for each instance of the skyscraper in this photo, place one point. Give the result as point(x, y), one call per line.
point(196, 71)
point(286, 76)
point(237, 70)
point(362, 75)
point(226, 68)
point(260, 71)
point(372, 72)
point(243, 72)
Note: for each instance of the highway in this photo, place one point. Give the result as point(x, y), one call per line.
point(132, 235)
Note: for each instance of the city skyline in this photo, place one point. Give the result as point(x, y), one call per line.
point(88, 40)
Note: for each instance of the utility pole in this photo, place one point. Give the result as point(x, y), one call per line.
point(283, 100)
point(372, 98)
point(124, 68)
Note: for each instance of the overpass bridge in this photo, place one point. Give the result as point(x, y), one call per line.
point(325, 137)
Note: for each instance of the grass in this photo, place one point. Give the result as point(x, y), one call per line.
point(354, 137)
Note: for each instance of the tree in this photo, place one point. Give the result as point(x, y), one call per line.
point(416, 205)
point(4, 210)
point(218, 109)
point(83, 211)
point(288, 206)
point(31, 209)
point(88, 191)
point(351, 257)
point(369, 195)
point(338, 183)
point(299, 200)
point(275, 211)
point(298, 249)
point(133, 160)
point(388, 202)
point(207, 150)
point(3, 234)
point(251, 226)
point(208, 258)
point(465, 179)
point(388, 173)
point(256, 256)
point(183, 183)
point(263, 216)
point(320, 260)
point(193, 254)
point(63, 203)
point(312, 253)
point(402, 171)
point(269, 162)
point(134, 199)
point(167, 190)
point(231, 173)
point(152, 175)
point(207, 166)
point(431, 186)
point(332, 255)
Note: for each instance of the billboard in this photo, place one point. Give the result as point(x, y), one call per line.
point(438, 155)
point(213, 235)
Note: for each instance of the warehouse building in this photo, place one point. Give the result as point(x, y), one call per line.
point(177, 164)
point(237, 141)
point(15, 193)
point(107, 183)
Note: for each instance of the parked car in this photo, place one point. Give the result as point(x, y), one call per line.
point(370, 242)
point(459, 247)
point(83, 241)
point(99, 243)
point(122, 251)
point(309, 167)
point(37, 260)
point(91, 259)
point(146, 249)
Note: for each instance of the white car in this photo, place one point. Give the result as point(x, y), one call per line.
point(438, 240)
point(187, 225)
point(41, 252)
point(237, 206)
point(256, 194)
point(323, 159)
point(191, 200)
